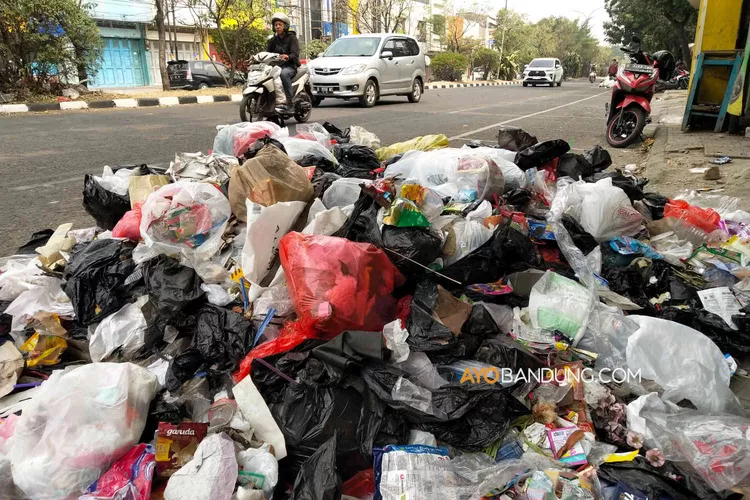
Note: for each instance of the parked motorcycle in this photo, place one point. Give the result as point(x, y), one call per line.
point(263, 90)
point(630, 106)
point(680, 80)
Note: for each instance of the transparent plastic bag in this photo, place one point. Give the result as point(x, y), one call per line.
point(724, 205)
point(342, 193)
point(187, 219)
point(314, 132)
point(258, 466)
point(358, 135)
point(115, 182)
point(77, 425)
point(515, 178)
point(460, 174)
point(422, 370)
point(299, 148)
point(395, 336)
point(684, 362)
point(606, 212)
point(245, 137)
point(464, 236)
point(425, 143)
point(125, 330)
point(559, 303)
point(224, 140)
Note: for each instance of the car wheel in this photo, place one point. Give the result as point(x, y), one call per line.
point(202, 86)
point(559, 84)
point(370, 95)
point(416, 91)
point(525, 84)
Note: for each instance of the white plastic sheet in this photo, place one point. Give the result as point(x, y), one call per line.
point(604, 210)
point(125, 330)
point(255, 410)
point(684, 362)
point(265, 228)
point(395, 340)
point(115, 182)
point(299, 148)
point(358, 135)
point(47, 297)
point(210, 475)
point(325, 222)
point(514, 176)
point(18, 274)
point(77, 425)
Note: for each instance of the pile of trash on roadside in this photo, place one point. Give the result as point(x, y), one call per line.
point(319, 316)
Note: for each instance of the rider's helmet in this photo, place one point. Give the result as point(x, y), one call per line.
point(280, 16)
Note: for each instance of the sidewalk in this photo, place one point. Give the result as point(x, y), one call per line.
point(677, 160)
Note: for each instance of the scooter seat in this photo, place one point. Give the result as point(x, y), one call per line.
point(301, 71)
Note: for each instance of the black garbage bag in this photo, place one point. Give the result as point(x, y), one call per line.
point(260, 144)
point(632, 186)
point(183, 367)
point(574, 166)
point(513, 250)
point(427, 332)
point(539, 154)
point(467, 416)
point(362, 225)
point(106, 207)
point(583, 240)
point(598, 157)
point(405, 244)
point(95, 279)
point(6, 320)
point(481, 322)
point(319, 161)
point(322, 180)
point(356, 161)
point(514, 138)
point(222, 337)
point(667, 481)
point(341, 136)
point(393, 159)
point(38, 239)
point(351, 348)
point(479, 266)
point(318, 478)
point(171, 287)
point(504, 352)
point(734, 342)
point(518, 197)
point(655, 202)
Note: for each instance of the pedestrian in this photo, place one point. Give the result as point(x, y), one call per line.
point(613, 69)
point(285, 42)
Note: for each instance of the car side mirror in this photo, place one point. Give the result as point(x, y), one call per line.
point(386, 54)
point(557, 65)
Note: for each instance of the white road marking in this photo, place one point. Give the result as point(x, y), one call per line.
point(488, 127)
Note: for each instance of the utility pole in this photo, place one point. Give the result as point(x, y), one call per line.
point(502, 40)
point(162, 45)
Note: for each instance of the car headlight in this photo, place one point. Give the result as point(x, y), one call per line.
point(353, 70)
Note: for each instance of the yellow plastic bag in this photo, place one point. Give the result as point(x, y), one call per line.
point(426, 143)
point(44, 350)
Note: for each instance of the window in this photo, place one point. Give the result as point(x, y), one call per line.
point(198, 66)
point(397, 46)
point(412, 46)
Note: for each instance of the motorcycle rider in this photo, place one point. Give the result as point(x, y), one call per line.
point(285, 42)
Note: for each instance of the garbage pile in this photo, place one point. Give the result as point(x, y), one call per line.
point(315, 316)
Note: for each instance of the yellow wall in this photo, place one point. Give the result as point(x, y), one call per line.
point(718, 27)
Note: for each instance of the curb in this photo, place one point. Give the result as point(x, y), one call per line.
point(118, 103)
point(462, 85)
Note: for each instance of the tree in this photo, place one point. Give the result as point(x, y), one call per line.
point(519, 37)
point(248, 42)
point(508, 68)
point(378, 16)
point(162, 44)
point(488, 60)
point(455, 36)
point(661, 24)
point(231, 22)
point(36, 38)
point(314, 48)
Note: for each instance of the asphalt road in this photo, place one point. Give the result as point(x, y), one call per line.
point(43, 157)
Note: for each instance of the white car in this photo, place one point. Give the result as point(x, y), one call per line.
point(543, 71)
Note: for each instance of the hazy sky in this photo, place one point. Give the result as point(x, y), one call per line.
point(538, 9)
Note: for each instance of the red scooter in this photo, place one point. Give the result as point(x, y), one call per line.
point(630, 107)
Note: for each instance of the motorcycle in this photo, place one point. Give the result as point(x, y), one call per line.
point(680, 80)
point(630, 106)
point(263, 90)
point(592, 77)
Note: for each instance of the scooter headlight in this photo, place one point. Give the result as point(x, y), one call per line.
point(353, 70)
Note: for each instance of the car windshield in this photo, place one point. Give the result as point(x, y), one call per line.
point(353, 47)
point(542, 63)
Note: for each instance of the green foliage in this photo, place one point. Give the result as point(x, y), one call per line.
point(508, 67)
point(314, 48)
point(36, 38)
point(558, 37)
point(661, 24)
point(249, 42)
point(448, 66)
point(438, 24)
point(488, 60)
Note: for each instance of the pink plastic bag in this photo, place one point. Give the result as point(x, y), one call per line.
point(248, 135)
point(130, 477)
point(130, 225)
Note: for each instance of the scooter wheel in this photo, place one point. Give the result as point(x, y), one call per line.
point(624, 132)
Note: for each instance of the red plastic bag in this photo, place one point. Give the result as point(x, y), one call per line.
point(704, 218)
point(129, 477)
point(250, 134)
point(130, 225)
point(361, 485)
point(342, 285)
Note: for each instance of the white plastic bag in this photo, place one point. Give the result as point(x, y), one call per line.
point(358, 135)
point(464, 236)
point(342, 193)
point(324, 222)
point(125, 329)
point(559, 303)
point(460, 174)
point(255, 410)
point(265, 227)
point(684, 362)
point(18, 274)
point(77, 425)
point(258, 466)
point(605, 210)
point(299, 148)
point(216, 294)
point(514, 177)
point(225, 136)
point(47, 296)
point(115, 182)
point(317, 131)
point(395, 336)
point(187, 219)
point(210, 475)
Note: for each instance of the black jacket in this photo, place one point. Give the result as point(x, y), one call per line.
point(287, 45)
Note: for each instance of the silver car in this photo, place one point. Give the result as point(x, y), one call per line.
point(367, 67)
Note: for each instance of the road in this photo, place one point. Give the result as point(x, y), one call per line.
point(44, 156)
